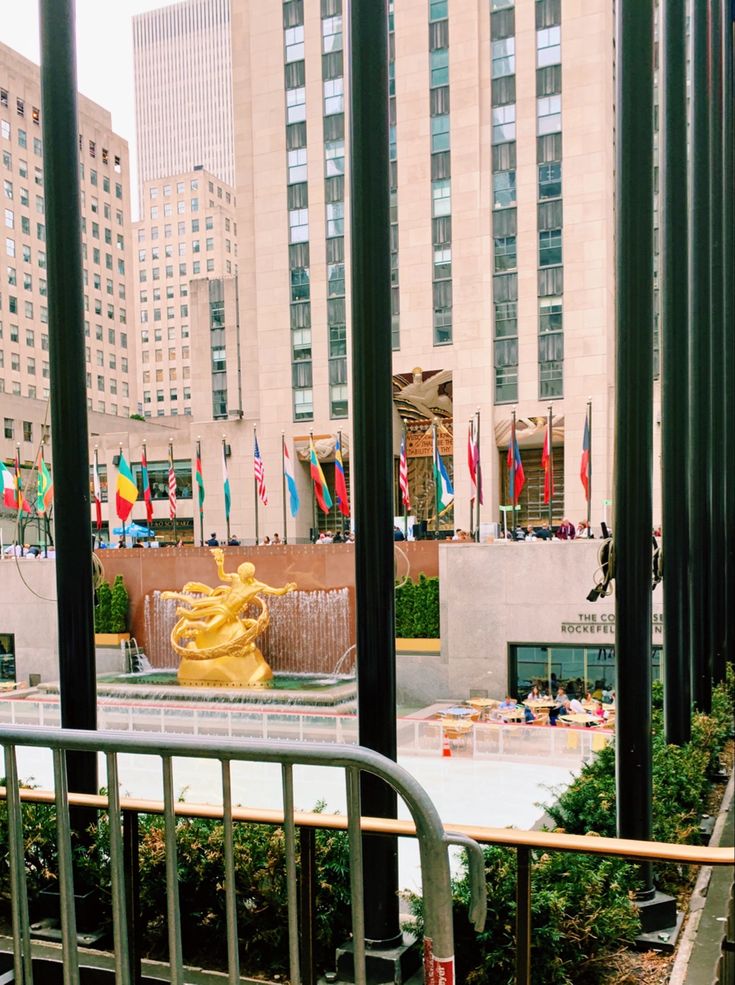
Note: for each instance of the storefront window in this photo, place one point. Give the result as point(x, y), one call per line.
point(158, 478)
point(7, 657)
point(578, 669)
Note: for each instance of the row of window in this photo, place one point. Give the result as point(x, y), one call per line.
point(9, 428)
point(441, 189)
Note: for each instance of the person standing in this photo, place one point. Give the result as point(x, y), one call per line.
point(213, 542)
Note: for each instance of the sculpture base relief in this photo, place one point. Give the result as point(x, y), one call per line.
point(213, 637)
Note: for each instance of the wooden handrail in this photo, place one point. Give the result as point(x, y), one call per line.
point(511, 837)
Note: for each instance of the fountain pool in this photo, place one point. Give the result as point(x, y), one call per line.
point(305, 691)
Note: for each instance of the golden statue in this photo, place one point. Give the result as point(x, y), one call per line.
point(215, 641)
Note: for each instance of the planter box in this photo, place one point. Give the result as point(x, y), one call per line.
point(110, 639)
point(418, 645)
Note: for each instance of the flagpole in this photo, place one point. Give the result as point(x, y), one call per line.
point(551, 471)
point(201, 505)
point(283, 484)
point(171, 467)
point(148, 485)
point(478, 476)
point(95, 483)
point(403, 504)
point(512, 475)
point(45, 544)
point(589, 469)
point(336, 507)
point(255, 488)
point(313, 494)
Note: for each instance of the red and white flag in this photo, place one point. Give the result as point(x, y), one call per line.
point(473, 460)
point(547, 460)
point(259, 472)
point(403, 475)
point(171, 484)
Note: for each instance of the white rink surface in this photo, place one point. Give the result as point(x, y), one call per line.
point(491, 793)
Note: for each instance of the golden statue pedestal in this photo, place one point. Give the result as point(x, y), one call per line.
point(213, 637)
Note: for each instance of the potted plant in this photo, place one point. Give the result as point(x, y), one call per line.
point(111, 614)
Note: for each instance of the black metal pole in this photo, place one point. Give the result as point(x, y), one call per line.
point(699, 385)
point(634, 420)
point(675, 374)
point(373, 454)
point(728, 315)
point(74, 584)
point(717, 599)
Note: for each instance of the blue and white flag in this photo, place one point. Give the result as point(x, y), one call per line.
point(444, 488)
point(290, 480)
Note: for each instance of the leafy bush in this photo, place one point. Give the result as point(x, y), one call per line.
point(580, 908)
point(103, 609)
point(417, 608)
point(119, 606)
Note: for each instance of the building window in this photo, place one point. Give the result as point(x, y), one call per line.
point(440, 133)
point(334, 100)
point(294, 37)
point(504, 189)
point(298, 221)
point(504, 123)
point(303, 404)
point(549, 247)
point(297, 165)
point(549, 180)
point(548, 47)
point(334, 153)
point(549, 115)
point(505, 253)
point(504, 58)
point(296, 105)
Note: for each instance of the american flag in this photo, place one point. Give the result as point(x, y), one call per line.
point(171, 485)
point(403, 475)
point(259, 472)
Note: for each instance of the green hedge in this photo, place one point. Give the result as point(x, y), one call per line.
point(417, 608)
point(111, 608)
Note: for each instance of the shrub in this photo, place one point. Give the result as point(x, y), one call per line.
point(417, 608)
point(103, 609)
point(119, 606)
point(580, 907)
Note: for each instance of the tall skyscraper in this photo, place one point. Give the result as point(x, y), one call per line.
point(183, 90)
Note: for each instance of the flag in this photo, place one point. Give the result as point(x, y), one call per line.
point(320, 483)
point(548, 463)
point(226, 483)
point(516, 475)
point(21, 502)
point(585, 466)
point(10, 489)
point(403, 475)
point(45, 490)
point(259, 472)
point(171, 484)
point(473, 460)
point(340, 486)
point(444, 490)
point(293, 493)
point(199, 479)
point(146, 487)
point(97, 492)
point(126, 491)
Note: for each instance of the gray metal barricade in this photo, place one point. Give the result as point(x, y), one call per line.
point(433, 844)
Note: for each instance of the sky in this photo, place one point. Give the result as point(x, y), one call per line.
point(104, 54)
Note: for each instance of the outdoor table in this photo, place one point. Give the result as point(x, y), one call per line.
point(459, 712)
point(575, 718)
point(511, 714)
point(483, 705)
point(540, 703)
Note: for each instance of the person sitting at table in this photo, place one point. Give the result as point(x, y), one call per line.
point(561, 707)
point(534, 694)
point(509, 704)
point(576, 706)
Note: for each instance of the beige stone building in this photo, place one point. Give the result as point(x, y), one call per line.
point(188, 231)
point(183, 90)
point(106, 248)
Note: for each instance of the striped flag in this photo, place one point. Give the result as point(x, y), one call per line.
point(548, 463)
point(259, 472)
point(126, 491)
point(585, 466)
point(146, 487)
point(10, 489)
point(293, 493)
point(403, 475)
point(199, 479)
point(171, 484)
point(226, 483)
point(97, 489)
point(443, 485)
point(516, 475)
point(22, 503)
point(320, 483)
point(340, 485)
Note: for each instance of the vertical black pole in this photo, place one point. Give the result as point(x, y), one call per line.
point(373, 455)
point(255, 491)
point(717, 600)
point(634, 419)
point(74, 586)
point(699, 381)
point(728, 315)
point(551, 469)
point(675, 374)
point(283, 484)
point(589, 469)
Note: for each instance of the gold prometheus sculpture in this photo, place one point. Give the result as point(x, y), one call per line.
point(214, 637)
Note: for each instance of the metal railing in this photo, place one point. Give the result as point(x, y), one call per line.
point(427, 827)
